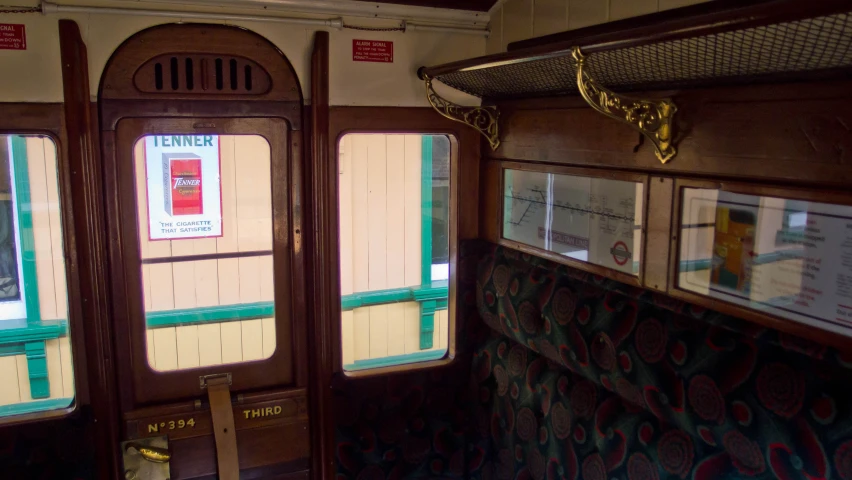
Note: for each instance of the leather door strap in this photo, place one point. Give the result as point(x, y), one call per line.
point(223, 428)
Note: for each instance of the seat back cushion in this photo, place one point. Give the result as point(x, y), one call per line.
point(588, 378)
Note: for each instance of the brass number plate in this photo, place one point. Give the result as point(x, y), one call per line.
point(186, 425)
point(165, 426)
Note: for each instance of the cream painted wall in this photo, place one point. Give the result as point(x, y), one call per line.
point(521, 19)
point(37, 76)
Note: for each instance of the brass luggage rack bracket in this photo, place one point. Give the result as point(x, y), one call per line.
point(482, 119)
point(652, 118)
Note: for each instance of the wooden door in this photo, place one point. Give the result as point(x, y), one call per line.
point(203, 174)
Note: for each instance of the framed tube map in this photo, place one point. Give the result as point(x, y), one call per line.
point(588, 219)
point(790, 258)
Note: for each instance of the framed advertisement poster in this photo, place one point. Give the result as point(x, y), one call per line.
point(786, 257)
point(184, 187)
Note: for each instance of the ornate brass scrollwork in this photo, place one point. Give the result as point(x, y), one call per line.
point(483, 119)
point(652, 118)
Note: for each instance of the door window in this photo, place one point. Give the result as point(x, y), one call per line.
point(205, 240)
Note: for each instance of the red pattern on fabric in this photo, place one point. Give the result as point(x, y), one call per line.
point(640, 468)
point(705, 399)
point(593, 468)
point(781, 389)
point(745, 454)
point(651, 340)
point(676, 452)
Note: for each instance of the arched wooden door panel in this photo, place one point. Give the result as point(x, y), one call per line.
point(201, 141)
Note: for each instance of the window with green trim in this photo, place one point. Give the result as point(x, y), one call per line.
point(394, 194)
point(36, 368)
point(204, 213)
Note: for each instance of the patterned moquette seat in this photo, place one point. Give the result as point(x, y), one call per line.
point(588, 378)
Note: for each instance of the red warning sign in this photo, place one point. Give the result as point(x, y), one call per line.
point(620, 253)
point(13, 36)
point(372, 51)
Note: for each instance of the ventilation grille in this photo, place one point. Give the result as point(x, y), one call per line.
point(799, 48)
point(202, 74)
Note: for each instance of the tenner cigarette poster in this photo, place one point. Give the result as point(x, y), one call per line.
point(184, 188)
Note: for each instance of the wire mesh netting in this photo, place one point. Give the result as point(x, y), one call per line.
point(739, 56)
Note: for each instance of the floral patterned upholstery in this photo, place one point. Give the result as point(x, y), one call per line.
point(592, 379)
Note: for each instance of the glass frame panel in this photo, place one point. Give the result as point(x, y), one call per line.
point(769, 252)
point(205, 238)
point(36, 363)
point(410, 310)
point(614, 249)
point(824, 333)
point(288, 265)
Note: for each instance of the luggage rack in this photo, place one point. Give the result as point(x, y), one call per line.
point(716, 43)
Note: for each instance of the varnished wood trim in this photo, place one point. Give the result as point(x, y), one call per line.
point(322, 251)
point(89, 245)
point(782, 133)
point(32, 118)
point(658, 229)
point(114, 110)
point(263, 452)
point(490, 201)
point(118, 79)
point(785, 325)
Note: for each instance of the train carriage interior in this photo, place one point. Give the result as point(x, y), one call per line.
point(414, 239)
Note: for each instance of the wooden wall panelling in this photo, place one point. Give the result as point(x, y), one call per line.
point(46, 228)
point(119, 77)
point(89, 288)
point(380, 212)
point(385, 330)
point(657, 232)
point(619, 9)
point(261, 428)
point(789, 133)
point(476, 5)
point(190, 346)
point(321, 243)
point(494, 43)
point(521, 25)
point(413, 184)
point(549, 16)
point(491, 201)
point(584, 13)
